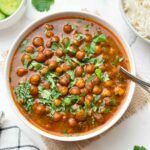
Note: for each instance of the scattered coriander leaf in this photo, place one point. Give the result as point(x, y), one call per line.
point(54, 46)
point(99, 74)
point(90, 78)
point(105, 77)
point(100, 38)
point(117, 60)
point(42, 5)
point(87, 27)
point(23, 95)
point(23, 45)
point(35, 65)
point(74, 27)
point(80, 37)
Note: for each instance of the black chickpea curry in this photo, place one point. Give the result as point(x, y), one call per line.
point(64, 76)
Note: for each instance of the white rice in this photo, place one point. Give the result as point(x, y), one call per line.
point(138, 13)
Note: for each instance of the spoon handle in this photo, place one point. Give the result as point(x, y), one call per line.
point(143, 84)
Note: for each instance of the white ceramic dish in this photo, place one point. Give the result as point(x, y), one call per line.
point(128, 22)
point(11, 20)
point(97, 131)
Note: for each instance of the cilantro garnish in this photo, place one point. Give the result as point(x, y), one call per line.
point(35, 65)
point(100, 38)
point(74, 27)
point(23, 45)
point(42, 5)
point(23, 95)
point(80, 37)
point(87, 27)
point(102, 76)
point(54, 46)
point(117, 60)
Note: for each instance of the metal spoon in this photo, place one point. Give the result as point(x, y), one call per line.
point(143, 84)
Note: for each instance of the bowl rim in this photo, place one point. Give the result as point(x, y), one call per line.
point(23, 3)
point(128, 22)
point(34, 25)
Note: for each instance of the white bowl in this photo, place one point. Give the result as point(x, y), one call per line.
point(96, 131)
point(11, 20)
point(128, 22)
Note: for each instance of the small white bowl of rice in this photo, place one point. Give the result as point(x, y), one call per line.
point(136, 13)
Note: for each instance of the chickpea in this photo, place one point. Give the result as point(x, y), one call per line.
point(88, 38)
point(108, 83)
point(89, 86)
point(81, 100)
point(57, 116)
point(76, 42)
point(64, 80)
point(38, 41)
point(26, 57)
point(119, 91)
point(88, 98)
point(80, 115)
point(40, 57)
point(59, 70)
point(67, 28)
point(96, 81)
point(55, 39)
point(78, 71)
point(46, 85)
point(48, 43)
point(29, 49)
point(48, 53)
point(63, 90)
point(96, 90)
point(34, 90)
point(44, 71)
point(40, 109)
point(59, 53)
point(49, 34)
point(80, 83)
point(49, 26)
point(35, 79)
point(106, 92)
point(84, 91)
point(66, 67)
point(40, 49)
point(98, 49)
point(57, 102)
point(90, 68)
point(80, 55)
point(21, 71)
point(72, 122)
point(74, 91)
point(52, 64)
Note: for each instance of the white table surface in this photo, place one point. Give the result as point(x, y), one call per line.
point(109, 10)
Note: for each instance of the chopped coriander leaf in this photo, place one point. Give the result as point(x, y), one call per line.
point(26, 63)
point(67, 45)
point(102, 76)
point(80, 37)
point(71, 99)
point(117, 60)
point(74, 27)
point(23, 95)
point(107, 110)
point(90, 49)
point(35, 65)
point(54, 46)
point(78, 62)
point(97, 61)
point(23, 45)
point(113, 101)
point(65, 132)
point(100, 38)
point(90, 78)
point(87, 27)
point(139, 148)
point(99, 74)
point(72, 76)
